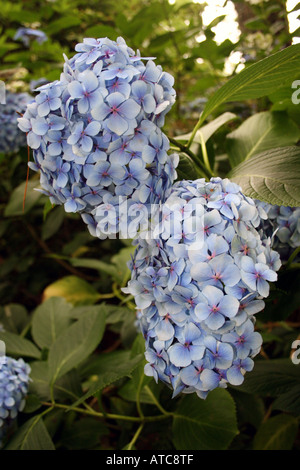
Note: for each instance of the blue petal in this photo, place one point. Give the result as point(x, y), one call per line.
point(179, 355)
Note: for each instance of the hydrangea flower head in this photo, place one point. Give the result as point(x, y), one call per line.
point(199, 275)
point(96, 132)
point(14, 380)
point(11, 138)
point(26, 35)
point(282, 225)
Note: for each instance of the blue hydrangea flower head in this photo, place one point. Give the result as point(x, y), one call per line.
point(99, 128)
point(11, 138)
point(14, 380)
point(200, 273)
point(26, 35)
point(281, 224)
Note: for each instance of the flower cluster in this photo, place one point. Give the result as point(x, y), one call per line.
point(14, 380)
point(198, 277)
point(26, 35)
point(282, 225)
point(11, 138)
point(96, 133)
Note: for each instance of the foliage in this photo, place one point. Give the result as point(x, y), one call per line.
point(62, 307)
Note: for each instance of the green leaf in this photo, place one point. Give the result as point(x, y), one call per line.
point(258, 80)
point(74, 289)
point(272, 176)
point(139, 380)
point(110, 367)
point(187, 169)
point(14, 318)
point(208, 424)
point(117, 314)
point(53, 222)
point(49, 321)
point(18, 346)
point(101, 31)
point(15, 203)
point(83, 434)
point(62, 23)
point(77, 312)
point(250, 408)
point(209, 129)
point(33, 403)
point(91, 263)
point(120, 261)
point(272, 377)
point(277, 433)
point(67, 387)
point(289, 401)
point(33, 435)
point(261, 132)
point(75, 344)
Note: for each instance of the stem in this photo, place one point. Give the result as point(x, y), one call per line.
point(155, 401)
point(197, 126)
point(204, 171)
point(294, 266)
point(135, 437)
point(47, 250)
point(134, 419)
point(292, 257)
point(205, 156)
point(138, 397)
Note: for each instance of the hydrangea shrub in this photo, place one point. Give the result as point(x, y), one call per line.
point(196, 300)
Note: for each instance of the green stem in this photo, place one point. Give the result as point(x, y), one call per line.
point(202, 168)
point(292, 257)
point(155, 401)
point(138, 397)
point(107, 296)
point(196, 128)
point(135, 437)
point(205, 156)
point(134, 419)
point(294, 266)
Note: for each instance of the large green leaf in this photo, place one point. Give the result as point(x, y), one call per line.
point(272, 176)
point(14, 317)
point(272, 377)
point(110, 368)
point(18, 346)
point(289, 401)
point(33, 435)
point(277, 433)
point(187, 169)
point(209, 129)
point(67, 387)
point(258, 80)
point(205, 424)
point(75, 344)
point(74, 289)
point(53, 222)
point(261, 132)
point(84, 434)
point(49, 321)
